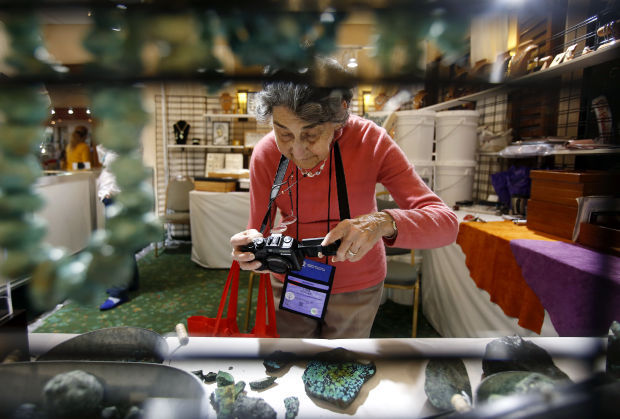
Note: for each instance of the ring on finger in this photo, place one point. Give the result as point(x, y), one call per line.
point(350, 252)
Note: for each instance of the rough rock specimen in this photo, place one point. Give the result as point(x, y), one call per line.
point(110, 412)
point(252, 407)
point(444, 379)
point(210, 377)
point(613, 351)
point(278, 360)
point(292, 407)
point(222, 399)
point(224, 379)
point(335, 379)
point(231, 402)
point(512, 353)
point(262, 383)
point(73, 394)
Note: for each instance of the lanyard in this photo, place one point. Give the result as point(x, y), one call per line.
point(341, 184)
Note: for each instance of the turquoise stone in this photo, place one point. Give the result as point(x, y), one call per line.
point(18, 174)
point(18, 202)
point(263, 383)
point(119, 136)
point(335, 381)
point(130, 172)
point(224, 379)
point(291, 404)
point(21, 140)
point(17, 233)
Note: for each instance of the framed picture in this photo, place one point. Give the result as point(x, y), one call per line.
point(252, 103)
point(221, 133)
point(252, 137)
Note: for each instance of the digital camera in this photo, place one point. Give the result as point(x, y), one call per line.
point(281, 254)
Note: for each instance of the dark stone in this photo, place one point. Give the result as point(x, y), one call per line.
point(210, 377)
point(110, 412)
point(262, 383)
point(199, 374)
point(444, 379)
point(224, 379)
point(613, 351)
point(27, 411)
point(253, 407)
point(134, 412)
point(512, 353)
point(292, 407)
point(73, 394)
point(278, 360)
point(335, 379)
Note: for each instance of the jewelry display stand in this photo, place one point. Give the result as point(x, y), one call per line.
point(181, 131)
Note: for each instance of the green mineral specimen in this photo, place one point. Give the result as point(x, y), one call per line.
point(222, 400)
point(335, 380)
point(278, 360)
point(239, 388)
point(512, 353)
point(292, 407)
point(224, 379)
point(262, 383)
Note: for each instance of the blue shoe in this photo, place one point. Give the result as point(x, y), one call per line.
point(112, 302)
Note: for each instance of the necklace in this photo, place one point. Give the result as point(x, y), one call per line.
point(309, 173)
point(181, 132)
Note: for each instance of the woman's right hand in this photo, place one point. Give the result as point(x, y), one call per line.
point(245, 259)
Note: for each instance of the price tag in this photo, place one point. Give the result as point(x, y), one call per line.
point(306, 291)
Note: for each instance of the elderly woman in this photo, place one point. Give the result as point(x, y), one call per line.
point(312, 128)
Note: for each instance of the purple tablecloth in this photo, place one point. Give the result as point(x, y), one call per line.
point(579, 287)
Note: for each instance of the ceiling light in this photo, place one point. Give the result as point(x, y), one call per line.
point(70, 111)
point(352, 63)
point(88, 111)
point(53, 111)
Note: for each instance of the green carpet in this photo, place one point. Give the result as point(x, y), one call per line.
point(172, 288)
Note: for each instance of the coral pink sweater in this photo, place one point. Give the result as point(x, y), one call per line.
point(369, 157)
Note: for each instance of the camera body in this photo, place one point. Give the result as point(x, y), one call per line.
point(281, 254)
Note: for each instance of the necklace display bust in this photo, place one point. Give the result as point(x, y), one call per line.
point(181, 131)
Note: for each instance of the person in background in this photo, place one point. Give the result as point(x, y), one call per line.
point(77, 151)
point(107, 189)
point(309, 112)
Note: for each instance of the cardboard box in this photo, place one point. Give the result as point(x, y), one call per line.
point(551, 218)
point(563, 187)
point(211, 184)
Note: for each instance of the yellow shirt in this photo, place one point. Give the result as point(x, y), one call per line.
point(78, 154)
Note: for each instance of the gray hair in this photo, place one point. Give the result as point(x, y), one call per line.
point(314, 95)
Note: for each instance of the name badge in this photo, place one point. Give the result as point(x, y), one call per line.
point(306, 291)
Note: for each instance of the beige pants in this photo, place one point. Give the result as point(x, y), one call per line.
point(349, 315)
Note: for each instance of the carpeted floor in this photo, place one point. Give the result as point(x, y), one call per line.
point(172, 288)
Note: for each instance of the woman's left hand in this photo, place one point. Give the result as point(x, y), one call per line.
point(359, 235)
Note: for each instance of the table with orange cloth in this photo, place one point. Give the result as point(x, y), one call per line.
point(494, 269)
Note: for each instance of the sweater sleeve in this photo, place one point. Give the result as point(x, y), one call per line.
point(423, 220)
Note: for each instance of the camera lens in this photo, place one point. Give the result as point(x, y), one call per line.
point(278, 264)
